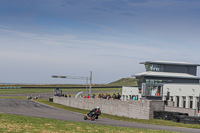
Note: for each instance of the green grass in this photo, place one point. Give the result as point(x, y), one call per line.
point(124, 82)
point(151, 121)
point(25, 124)
point(13, 97)
point(28, 91)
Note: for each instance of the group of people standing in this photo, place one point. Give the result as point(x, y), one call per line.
point(108, 96)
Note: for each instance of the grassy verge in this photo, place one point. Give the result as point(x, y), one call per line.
point(13, 97)
point(28, 91)
point(151, 121)
point(16, 123)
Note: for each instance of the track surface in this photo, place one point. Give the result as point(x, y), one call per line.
point(31, 108)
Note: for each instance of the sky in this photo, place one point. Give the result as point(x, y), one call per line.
point(40, 38)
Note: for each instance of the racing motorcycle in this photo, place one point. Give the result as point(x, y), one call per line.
point(94, 115)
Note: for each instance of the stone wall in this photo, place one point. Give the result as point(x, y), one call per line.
point(133, 109)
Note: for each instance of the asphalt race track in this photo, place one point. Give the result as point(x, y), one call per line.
point(31, 108)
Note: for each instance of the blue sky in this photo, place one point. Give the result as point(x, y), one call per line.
point(39, 38)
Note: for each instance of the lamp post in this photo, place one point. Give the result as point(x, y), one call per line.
point(78, 77)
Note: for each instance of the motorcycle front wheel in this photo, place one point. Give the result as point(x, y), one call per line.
point(94, 117)
point(85, 117)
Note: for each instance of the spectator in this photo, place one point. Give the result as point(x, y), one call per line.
point(69, 95)
point(114, 96)
point(102, 96)
point(99, 95)
point(108, 96)
point(51, 99)
point(93, 96)
point(118, 96)
point(66, 95)
point(134, 97)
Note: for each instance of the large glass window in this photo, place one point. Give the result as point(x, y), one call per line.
point(153, 81)
point(154, 67)
point(152, 89)
point(140, 80)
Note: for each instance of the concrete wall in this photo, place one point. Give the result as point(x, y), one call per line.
point(128, 91)
point(182, 89)
point(131, 108)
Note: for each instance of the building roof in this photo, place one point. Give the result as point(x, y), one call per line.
point(170, 63)
point(166, 74)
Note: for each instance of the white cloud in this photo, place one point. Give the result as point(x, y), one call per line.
point(54, 54)
point(83, 45)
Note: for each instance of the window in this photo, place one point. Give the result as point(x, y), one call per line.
point(152, 89)
point(140, 80)
point(191, 101)
point(177, 104)
point(147, 81)
point(154, 67)
point(147, 66)
point(153, 81)
point(171, 98)
point(184, 101)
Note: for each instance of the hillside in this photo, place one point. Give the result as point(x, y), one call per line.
point(120, 82)
point(124, 82)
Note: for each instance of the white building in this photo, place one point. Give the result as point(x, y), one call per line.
point(178, 78)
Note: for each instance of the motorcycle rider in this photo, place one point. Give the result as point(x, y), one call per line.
point(93, 111)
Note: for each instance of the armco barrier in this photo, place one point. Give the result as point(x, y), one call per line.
point(133, 109)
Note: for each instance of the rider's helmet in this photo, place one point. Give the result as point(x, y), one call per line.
point(98, 108)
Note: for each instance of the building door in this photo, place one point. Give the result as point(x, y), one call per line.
point(177, 101)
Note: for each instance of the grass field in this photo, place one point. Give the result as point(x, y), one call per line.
point(13, 97)
point(124, 82)
point(28, 91)
point(25, 124)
